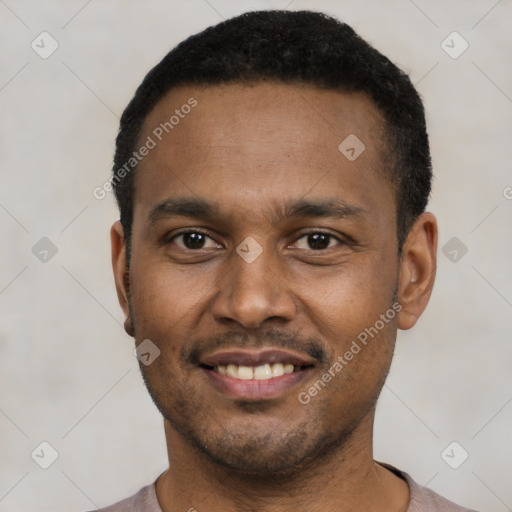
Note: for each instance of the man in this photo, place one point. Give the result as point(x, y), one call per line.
point(272, 174)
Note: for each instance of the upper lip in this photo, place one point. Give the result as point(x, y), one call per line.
point(256, 357)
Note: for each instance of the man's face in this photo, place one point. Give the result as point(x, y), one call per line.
point(257, 243)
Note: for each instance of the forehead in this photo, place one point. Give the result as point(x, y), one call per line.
point(265, 140)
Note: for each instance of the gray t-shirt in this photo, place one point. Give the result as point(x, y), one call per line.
point(421, 499)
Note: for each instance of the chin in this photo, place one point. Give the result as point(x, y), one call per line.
point(251, 440)
point(261, 455)
point(264, 454)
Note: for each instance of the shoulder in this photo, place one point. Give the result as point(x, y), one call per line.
point(423, 499)
point(144, 501)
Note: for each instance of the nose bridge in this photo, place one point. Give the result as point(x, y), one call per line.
point(250, 292)
point(252, 270)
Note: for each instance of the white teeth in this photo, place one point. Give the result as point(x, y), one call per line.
point(262, 372)
point(245, 373)
point(288, 368)
point(232, 370)
point(277, 370)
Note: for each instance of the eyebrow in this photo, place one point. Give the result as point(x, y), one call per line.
point(333, 208)
point(182, 207)
point(200, 208)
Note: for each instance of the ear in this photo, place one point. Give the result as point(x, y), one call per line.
point(417, 270)
point(121, 274)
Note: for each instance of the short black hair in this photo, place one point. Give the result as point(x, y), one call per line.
point(301, 47)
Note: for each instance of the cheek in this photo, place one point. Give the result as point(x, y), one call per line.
point(345, 301)
point(165, 304)
point(166, 298)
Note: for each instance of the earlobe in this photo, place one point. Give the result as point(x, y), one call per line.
point(417, 270)
point(121, 276)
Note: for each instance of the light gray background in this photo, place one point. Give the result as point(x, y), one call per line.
point(68, 374)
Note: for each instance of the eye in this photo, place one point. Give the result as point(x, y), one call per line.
point(317, 241)
point(193, 240)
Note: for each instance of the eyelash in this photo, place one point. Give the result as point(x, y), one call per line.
point(302, 235)
point(190, 231)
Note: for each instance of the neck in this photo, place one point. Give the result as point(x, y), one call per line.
point(347, 480)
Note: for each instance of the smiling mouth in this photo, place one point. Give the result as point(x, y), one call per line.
point(256, 374)
point(265, 371)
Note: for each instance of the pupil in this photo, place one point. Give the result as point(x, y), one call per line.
point(318, 241)
point(193, 240)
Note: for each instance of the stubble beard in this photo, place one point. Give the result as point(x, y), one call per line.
point(271, 456)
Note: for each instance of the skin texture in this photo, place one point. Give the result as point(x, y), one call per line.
point(251, 151)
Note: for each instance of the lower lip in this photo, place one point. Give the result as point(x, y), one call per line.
point(254, 389)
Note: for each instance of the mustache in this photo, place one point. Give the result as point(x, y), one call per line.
point(192, 353)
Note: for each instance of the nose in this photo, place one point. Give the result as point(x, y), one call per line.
point(251, 294)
